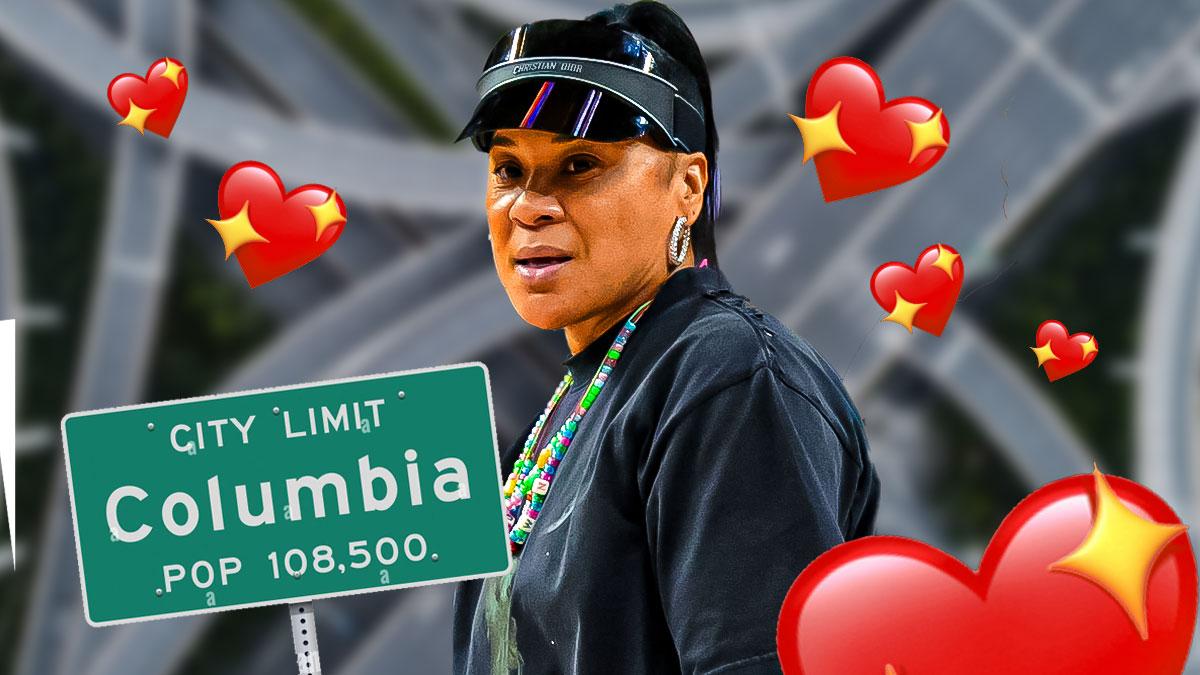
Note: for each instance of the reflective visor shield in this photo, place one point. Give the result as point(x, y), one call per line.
point(586, 80)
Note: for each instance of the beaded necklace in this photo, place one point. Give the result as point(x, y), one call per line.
point(526, 489)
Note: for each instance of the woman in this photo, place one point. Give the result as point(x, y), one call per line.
point(697, 454)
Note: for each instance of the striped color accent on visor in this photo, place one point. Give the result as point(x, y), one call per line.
point(536, 106)
point(586, 112)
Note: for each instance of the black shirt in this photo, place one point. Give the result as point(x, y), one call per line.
point(721, 457)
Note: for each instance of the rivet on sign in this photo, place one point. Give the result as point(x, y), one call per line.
point(400, 394)
point(150, 426)
point(296, 574)
point(275, 410)
point(433, 557)
point(158, 592)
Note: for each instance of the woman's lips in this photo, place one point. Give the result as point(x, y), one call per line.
point(541, 268)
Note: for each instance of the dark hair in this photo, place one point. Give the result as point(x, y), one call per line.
point(660, 24)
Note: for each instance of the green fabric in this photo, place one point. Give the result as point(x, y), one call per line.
point(501, 627)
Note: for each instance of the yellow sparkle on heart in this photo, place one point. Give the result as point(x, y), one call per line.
point(237, 231)
point(171, 72)
point(925, 135)
point(1089, 347)
point(821, 134)
point(1119, 552)
point(326, 214)
point(904, 312)
point(136, 117)
point(945, 261)
point(1044, 353)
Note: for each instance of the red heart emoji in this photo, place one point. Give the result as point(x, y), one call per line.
point(887, 604)
point(277, 233)
point(880, 134)
point(161, 92)
point(1067, 353)
point(930, 285)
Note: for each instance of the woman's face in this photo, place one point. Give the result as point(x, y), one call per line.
point(579, 227)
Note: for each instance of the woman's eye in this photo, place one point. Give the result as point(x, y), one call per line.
point(507, 172)
point(577, 165)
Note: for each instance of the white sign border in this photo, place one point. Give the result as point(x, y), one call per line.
point(8, 427)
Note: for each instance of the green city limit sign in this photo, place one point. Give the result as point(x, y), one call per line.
point(286, 494)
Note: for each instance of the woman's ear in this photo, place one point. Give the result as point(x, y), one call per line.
point(694, 168)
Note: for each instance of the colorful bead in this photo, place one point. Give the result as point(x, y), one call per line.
point(533, 472)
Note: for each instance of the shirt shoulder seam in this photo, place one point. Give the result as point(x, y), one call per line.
point(819, 411)
point(764, 351)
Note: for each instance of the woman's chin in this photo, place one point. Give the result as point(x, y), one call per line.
point(548, 311)
point(539, 317)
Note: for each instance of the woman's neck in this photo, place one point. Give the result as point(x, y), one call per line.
point(583, 333)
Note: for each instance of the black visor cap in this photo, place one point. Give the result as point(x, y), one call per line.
point(566, 107)
point(588, 80)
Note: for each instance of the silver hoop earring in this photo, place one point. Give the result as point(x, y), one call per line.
point(677, 251)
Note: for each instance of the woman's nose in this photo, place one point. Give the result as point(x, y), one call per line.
point(533, 209)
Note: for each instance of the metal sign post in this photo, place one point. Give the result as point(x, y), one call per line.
point(304, 637)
